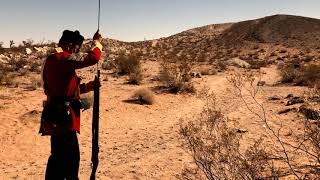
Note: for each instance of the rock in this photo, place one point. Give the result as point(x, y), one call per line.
point(43, 50)
point(289, 96)
point(309, 112)
point(4, 59)
point(240, 130)
point(154, 43)
point(295, 100)
point(195, 74)
point(239, 63)
point(261, 83)
point(28, 51)
point(287, 110)
point(274, 98)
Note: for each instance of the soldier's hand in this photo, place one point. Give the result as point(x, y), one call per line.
point(90, 85)
point(97, 36)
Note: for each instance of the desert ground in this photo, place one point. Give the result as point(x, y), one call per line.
point(139, 141)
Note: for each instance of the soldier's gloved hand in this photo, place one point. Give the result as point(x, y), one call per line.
point(97, 36)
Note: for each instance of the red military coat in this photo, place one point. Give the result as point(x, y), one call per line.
point(60, 80)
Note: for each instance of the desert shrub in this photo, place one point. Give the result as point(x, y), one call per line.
point(35, 84)
point(309, 75)
point(289, 73)
point(257, 64)
point(144, 96)
point(126, 63)
point(17, 63)
point(135, 76)
point(35, 66)
point(130, 65)
point(215, 147)
point(176, 77)
point(222, 65)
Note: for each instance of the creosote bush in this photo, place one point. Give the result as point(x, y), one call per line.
point(215, 147)
point(176, 77)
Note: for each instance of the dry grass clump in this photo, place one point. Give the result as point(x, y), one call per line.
point(176, 77)
point(144, 96)
point(215, 147)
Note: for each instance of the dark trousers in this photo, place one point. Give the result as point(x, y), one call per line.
point(63, 162)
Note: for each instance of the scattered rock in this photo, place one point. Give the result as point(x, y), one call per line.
point(295, 100)
point(261, 83)
point(195, 74)
point(289, 96)
point(274, 98)
point(309, 112)
point(240, 130)
point(287, 110)
point(42, 50)
point(289, 133)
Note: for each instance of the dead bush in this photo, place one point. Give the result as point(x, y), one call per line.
point(176, 77)
point(305, 145)
point(215, 147)
point(144, 96)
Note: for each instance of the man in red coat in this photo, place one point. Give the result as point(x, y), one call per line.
point(61, 114)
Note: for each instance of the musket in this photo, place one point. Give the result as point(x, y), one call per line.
point(95, 128)
point(95, 119)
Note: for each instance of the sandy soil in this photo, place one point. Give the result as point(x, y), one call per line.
point(136, 141)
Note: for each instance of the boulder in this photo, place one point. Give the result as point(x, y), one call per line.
point(309, 112)
point(4, 59)
point(261, 83)
point(295, 100)
point(239, 63)
point(28, 51)
point(274, 98)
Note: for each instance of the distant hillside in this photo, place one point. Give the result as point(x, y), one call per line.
point(219, 41)
point(301, 31)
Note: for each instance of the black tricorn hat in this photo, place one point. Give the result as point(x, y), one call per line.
point(73, 37)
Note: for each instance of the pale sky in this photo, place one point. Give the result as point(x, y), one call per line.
point(133, 20)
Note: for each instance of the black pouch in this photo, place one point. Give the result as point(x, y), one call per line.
point(56, 113)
